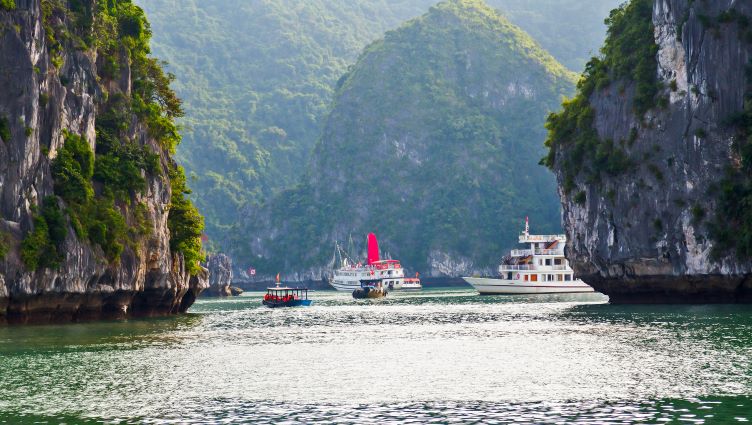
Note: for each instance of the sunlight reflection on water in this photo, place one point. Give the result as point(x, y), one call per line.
point(435, 355)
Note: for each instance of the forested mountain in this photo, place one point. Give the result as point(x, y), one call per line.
point(257, 78)
point(433, 143)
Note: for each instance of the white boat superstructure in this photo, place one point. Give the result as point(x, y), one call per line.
point(540, 269)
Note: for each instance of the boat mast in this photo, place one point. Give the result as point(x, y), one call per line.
point(351, 248)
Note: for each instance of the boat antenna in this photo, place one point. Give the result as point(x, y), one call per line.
point(351, 247)
point(527, 226)
point(336, 255)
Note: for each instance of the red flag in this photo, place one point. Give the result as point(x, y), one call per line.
point(373, 249)
point(277, 280)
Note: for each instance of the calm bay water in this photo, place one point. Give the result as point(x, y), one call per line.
point(433, 356)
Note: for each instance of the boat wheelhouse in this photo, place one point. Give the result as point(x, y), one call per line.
point(539, 269)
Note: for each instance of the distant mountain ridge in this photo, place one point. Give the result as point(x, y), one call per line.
point(257, 78)
point(433, 143)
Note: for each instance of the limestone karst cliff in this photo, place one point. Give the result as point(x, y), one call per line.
point(653, 155)
point(220, 276)
point(94, 218)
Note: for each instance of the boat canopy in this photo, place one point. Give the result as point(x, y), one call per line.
point(275, 289)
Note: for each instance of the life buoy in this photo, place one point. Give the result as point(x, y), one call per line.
point(518, 276)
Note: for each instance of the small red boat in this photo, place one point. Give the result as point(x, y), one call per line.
point(279, 296)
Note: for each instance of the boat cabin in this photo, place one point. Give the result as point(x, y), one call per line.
point(285, 294)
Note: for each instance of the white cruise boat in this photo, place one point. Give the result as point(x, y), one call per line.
point(387, 274)
point(541, 269)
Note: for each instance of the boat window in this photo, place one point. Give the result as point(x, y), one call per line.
point(533, 278)
point(525, 278)
point(509, 276)
point(557, 261)
point(568, 277)
point(559, 277)
point(548, 261)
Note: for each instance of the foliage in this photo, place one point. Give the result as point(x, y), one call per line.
point(72, 170)
point(629, 53)
point(427, 146)
point(95, 218)
point(7, 4)
point(120, 161)
point(258, 78)
point(4, 244)
point(53, 15)
point(105, 226)
point(185, 223)
point(43, 247)
point(4, 129)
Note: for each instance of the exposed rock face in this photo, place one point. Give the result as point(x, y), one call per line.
point(147, 279)
point(220, 276)
point(640, 236)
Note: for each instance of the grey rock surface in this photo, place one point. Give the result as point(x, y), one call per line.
point(220, 276)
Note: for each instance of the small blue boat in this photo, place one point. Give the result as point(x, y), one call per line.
point(286, 297)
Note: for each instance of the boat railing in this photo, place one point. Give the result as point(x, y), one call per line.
point(518, 267)
point(526, 238)
point(505, 267)
point(528, 252)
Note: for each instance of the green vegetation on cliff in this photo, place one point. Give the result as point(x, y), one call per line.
point(432, 143)
point(628, 56)
point(119, 33)
point(7, 4)
point(258, 78)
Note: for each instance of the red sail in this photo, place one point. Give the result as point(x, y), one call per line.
point(373, 249)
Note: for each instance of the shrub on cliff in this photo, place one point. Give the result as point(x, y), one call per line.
point(7, 4)
point(72, 170)
point(185, 223)
point(4, 129)
point(42, 248)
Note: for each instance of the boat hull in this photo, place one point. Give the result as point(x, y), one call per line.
point(489, 286)
point(345, 286)
point(293, 303)
point(405, 287)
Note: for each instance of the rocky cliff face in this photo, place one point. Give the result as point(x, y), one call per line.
point(656, 211)
point(220, 276)
point(54, 90)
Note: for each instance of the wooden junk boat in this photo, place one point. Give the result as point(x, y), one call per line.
point(373, 288)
